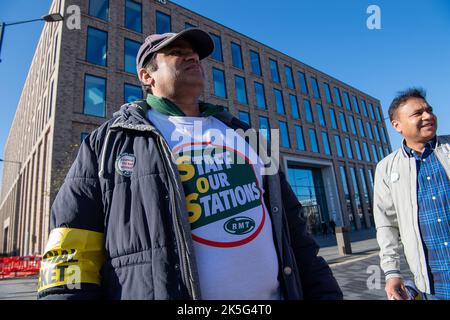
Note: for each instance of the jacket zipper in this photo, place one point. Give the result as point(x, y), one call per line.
point(184, 265)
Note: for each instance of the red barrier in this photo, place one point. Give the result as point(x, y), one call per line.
point(11, 267)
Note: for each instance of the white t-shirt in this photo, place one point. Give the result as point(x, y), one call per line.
point(231, 228)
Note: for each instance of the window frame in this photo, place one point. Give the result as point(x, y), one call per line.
point(86, 75)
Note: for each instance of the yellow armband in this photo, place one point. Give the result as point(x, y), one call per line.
point(71, 257)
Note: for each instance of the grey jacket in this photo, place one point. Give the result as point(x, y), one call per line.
point(396, 214)
point(147, 246)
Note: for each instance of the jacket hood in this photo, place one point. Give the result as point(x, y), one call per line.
point(132, 114)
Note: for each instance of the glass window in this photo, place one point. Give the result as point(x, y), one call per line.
point(343, 122)
point(313, 139)
point(357, 196)
point(289, 77)
point(380, 149)
point(255, 62)
point(352, 124)
point(377, 134)
point(347, 101)
point(188, 25)
point(51, 101)
point(363, 102)
point(379, 117)
point(337, 142)
point(264, 127)
point(83, 136)
point(131, 50)
point(348, 146)
point(284, 135)
point(274, 70)
point(366, 152)
point(320, 114)
point(244, 117)
point(99, 9)
point(349, 205)
point(361, 128)
point(294, 106)
point(369, 130)
point(55, 49)
point(383, 134)
point(302, 80)
point(300, 139)
point(358, 150)
point(366, 187)
point(163, 23)
point(97, 46)
point(326, 143)
point(308, 110)
point(236, 55)
point(260, 96)
point(344, 180)
point(375, 153)
point(279, 101)
point(133, 16)
point(241, 91)
point(337, 94)
point(366, 197)
point(217, 53)
point(333, 119)
point(371, 177)
point(94, 96)
point(372, 113)
point(132, 93)
point(220, 89)
point(326, 87)
point(315, 88)
point(355, 103)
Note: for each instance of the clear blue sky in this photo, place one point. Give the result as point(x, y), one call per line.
point(411, 49)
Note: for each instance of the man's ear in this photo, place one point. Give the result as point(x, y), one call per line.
point(396, 125)
point(145, 77)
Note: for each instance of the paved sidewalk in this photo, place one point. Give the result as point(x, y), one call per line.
point(363, 243)
point(359, 249)
point(18, 288)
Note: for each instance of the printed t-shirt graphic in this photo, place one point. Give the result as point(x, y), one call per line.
point(231, 229)
point(222, 193)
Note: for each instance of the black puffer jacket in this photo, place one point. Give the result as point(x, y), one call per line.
point(127, 236)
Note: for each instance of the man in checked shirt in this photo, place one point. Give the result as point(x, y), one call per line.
point(412, 201)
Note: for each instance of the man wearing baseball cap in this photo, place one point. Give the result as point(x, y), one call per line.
point(167, 201)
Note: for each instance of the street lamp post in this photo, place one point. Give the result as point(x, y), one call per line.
point(53, 17)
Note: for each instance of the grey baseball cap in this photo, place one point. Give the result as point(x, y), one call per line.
point(200, 40)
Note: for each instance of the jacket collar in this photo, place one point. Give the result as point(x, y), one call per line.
point(168, 108)
point(133, 116)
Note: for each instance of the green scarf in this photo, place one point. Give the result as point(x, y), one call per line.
point(167, 107)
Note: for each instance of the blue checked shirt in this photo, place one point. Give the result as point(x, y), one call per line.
point(433, 199)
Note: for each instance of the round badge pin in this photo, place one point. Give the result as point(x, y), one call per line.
point(394, 177)
point(125, 164)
